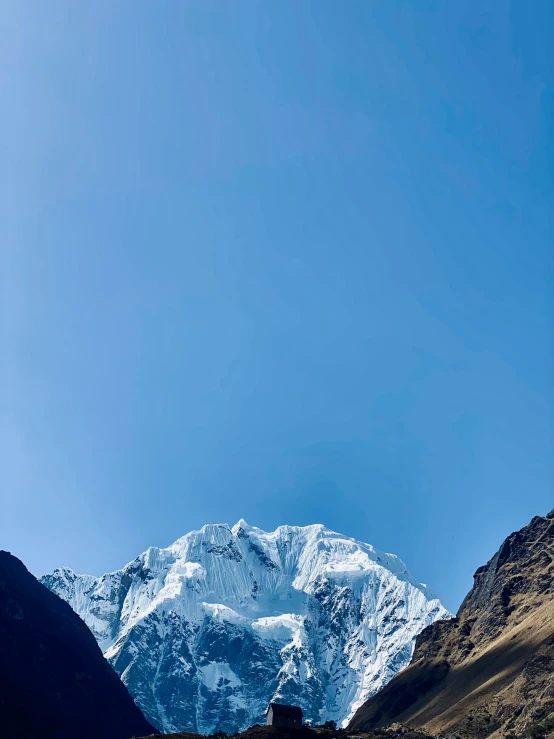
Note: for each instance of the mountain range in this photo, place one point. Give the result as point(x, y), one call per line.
point(207, 631)
point(485, 674)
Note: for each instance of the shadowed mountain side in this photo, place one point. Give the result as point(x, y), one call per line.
point(490, 670)
point(54, 680)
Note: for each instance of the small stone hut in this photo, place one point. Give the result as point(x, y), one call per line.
point(281, 715)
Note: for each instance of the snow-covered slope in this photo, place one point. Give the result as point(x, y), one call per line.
point(206, 632)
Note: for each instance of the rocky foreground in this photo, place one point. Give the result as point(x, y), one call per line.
point(271, 732)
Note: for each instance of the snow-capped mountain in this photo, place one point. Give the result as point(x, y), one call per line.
point(206, 632)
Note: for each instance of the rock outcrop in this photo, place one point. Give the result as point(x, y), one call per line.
point(490, 671)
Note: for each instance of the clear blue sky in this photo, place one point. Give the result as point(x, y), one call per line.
point(286, 261)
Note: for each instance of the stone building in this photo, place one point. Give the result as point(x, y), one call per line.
point(281, 715)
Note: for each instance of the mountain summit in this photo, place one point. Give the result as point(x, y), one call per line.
point(208, 631)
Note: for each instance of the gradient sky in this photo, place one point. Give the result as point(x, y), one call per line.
point(286, 261)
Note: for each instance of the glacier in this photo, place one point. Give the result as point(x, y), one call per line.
point(208, 631)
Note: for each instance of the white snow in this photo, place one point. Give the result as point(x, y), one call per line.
point(336, 616)
point(217, 674)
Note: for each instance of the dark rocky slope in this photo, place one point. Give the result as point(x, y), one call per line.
point(490, 671)
point(54, 680)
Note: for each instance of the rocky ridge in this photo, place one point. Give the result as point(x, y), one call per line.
point(490, 671)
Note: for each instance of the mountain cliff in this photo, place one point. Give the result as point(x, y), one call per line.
point(490, 671)
point(54, 681)
point(206, 632)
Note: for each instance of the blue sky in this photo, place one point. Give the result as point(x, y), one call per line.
point(282, 261)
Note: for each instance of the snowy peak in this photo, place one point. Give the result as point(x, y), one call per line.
point(290, 548)
point(207, 631)
point(241, 525)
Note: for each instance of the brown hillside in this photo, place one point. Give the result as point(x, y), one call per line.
point(490, 671)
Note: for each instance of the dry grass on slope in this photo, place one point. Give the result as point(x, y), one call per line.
point(490, 671)
point(500, 690)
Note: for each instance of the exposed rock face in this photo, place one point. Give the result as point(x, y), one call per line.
point(208, 631)
point(54, 681)
point(489, 671)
